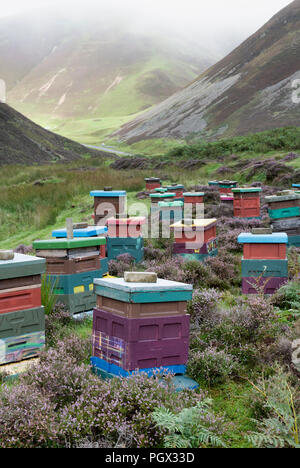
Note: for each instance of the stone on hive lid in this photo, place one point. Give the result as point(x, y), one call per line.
point(107, 189)
point(6, 255)
point(80, 225)
point(261, 231)
point(140, 277)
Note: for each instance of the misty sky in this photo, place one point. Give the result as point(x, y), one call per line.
point(223, 21)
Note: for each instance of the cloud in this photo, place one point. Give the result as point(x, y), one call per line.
point(224, 23)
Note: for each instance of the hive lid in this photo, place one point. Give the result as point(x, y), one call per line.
point(160, 190)
point(281, 198)
point(90, 231)
point(246, 189)
point(227, 182)
point(134, 220)
point(104, 193)
point(275, 238)
point(172, 204)
point(22, 265)
point(52, 244)
point(197, 223)
point(161, 285)
point(296, 185)
point(194, 194)
point(174, 187)
point(152, 179)
point(162, 195)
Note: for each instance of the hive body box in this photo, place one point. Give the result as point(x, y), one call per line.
point(194, 204)
point(125, 245)
point(108, 204)
point(142, 342)
point(178, 190)
point(284, 212)
point(264, 264)
point(22, 318)
point(152, 183)
point(158, 197)
point(140, 326)
point(196, 241)
point(246, 203)
point(169, 211)
point(72, 265)
point(126, 227)
point(226, 186)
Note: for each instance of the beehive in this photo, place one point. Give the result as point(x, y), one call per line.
point(246, 203)
point(22, 317)
point(140, 326)
point(226, 186)
point(72, 265)
point(108, 204)
point(178, 189)
point(198, 231)
point(158, 197)
point(152, 183)
point(130, 227)
point(264, 264)
point(213, 183)
point(284, 212)
point(170, 211)
point(195, 240)
point(125, 245)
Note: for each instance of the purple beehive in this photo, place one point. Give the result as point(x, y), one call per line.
point(140, 343)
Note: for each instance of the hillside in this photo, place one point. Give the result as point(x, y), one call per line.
point(250, 90)
point(23, 142)
point(62, 67)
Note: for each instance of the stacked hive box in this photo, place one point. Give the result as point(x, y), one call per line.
point(22, 317)
point(171, 211)
point(228, 199)
point(158, 197)
point(140, 326)
point(125, 237)
point(72, 265)
point(108, 203)
point(226, 186)
point(195, 240)
point(178, 190)
point(89, 231)
point(194, 204)
point(246, 202)
point(284, 211)
point(152, 183)
point(264, 263)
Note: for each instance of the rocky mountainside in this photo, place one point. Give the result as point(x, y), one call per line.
point(250, 90)
point(23, 142)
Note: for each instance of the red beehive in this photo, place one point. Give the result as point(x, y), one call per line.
point(194, 198)
point(125, 227)
point(12, 300)
point(199, 231)
point(246, 202)
point(264, 247)
point(152, 183)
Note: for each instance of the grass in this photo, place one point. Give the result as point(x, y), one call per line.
point(232, 400)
